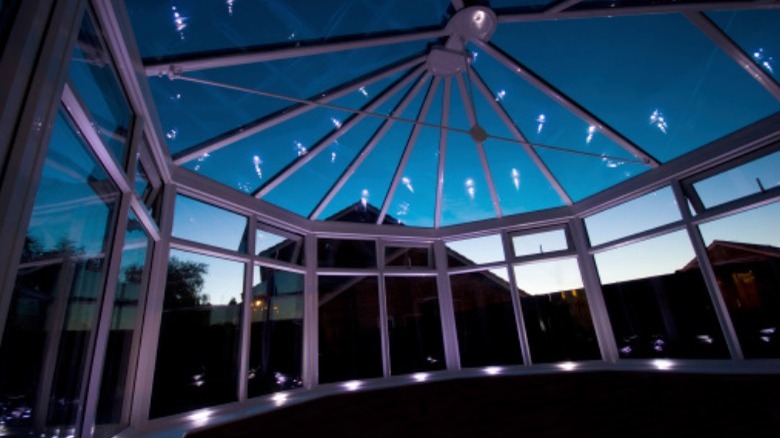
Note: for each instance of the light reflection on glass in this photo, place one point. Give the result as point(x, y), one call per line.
point(541, 120)
point(591, 131)
point(332, 157)
point(300, 149)
point(172, 134)
point(500, 95)
point(364, 198)
point(363, 91)
point(657, 118)
point(406, 181)
point(353, 385)
point(470, 190)
point(420, 377)
point(199, 418)
point(280, 398)
point(663, 364)
point(567, 366)
point(230, 4)
point(257, 162)
point(764, 60)
point(179, 22)
point(492, 371)
point(516, 178)
point(336, 122)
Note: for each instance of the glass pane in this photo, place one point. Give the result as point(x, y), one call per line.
point(187, 109)
point(201, 23)
point(582, 159)
point(276, 349)
point(475, 251)
point(312, 181)
point(520, 4)
point(408, 257)
point(654, 77)
point(204, 223)
point(414, 325)
point(349, 339)
point(485, 319)
point(54, 306)
point(658, 302)
point(96, 83)
point(115, 388)
point(756, 33)
point(747, 179)
point(744, 250)
point(540, 243)
point(336, 253)
point(197, 353)
point(278, 247)
point(415, 196)
point(640, 214)
point(466, 196)
point(557, 317)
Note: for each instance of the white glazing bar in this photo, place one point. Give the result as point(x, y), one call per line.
point(517, 304)
point(310, 315)
point(592, 283)
point(263, 123)
point(116, 28)
point(375, 138)
point(667, 8)
point(246, 312)
point(152, 319)
point(336, 134)
point(409, 146)
point(445, 120)
point(446, 308)
point(85, 124)
point(710, 279)
point(524, 143)
point(297, 51)
point(384, 327)
point(96, 351)
point(736, 53)
point(473, 121)
point(561, 6)
point(566, 102)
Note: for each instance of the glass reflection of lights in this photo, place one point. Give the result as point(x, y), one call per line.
point(352, 385)
point(567, 366)
point(492, 371)
point(199, 418)
point(280, 398)
point(420, 377)
point(663, 364)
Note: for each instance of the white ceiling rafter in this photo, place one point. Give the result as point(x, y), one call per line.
point(669, 8)
point(368, 148)
point(469, 104)
point(535, 80)
point(706, 26)
point(445, 119)
point(183, 64)
point(349, 124)
point(408, 148)
point(266, 122)
point(521, 139)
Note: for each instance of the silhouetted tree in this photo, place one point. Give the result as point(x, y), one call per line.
point(184, 284)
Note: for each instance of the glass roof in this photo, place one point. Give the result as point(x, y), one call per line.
point(428, 115)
